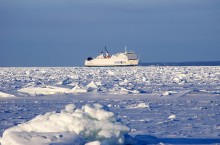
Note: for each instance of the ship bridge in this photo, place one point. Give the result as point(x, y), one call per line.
point(131, 56)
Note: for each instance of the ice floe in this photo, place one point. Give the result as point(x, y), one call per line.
point(5, 95)
point(47, 90)
point(50, 90)
point(92, 86)
point(135, 80)
point(152, 101)
point(78, 89)
point(139, 105)
point(172, 117)
point(91, 124)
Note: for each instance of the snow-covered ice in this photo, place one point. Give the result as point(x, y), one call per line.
point(6, 95)
point(135, 80)
point(145, 105)
point(139, 105)
point(71, 125)
point(173, 116)
point(46, 90)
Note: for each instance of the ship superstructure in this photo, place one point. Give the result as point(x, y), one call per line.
point(119, 59)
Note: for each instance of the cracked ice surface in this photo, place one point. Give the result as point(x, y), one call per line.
point(133, 80)
point(159, 104)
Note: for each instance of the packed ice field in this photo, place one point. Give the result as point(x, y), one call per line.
point(118, 105)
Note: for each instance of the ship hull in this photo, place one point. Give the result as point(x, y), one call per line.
point(108, 62)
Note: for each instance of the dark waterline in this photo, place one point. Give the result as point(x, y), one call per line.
point(196, 63)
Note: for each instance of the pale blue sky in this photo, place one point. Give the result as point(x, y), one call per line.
point(65, 32)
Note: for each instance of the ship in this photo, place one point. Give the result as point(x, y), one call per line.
point(120, 59)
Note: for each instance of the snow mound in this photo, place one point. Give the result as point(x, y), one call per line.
point(92, 86)
point(123, 90)
point(5, 95)
point(78, 89)
point(172, 117)
point(167, 93)
point(91, 124)
point(51, 90)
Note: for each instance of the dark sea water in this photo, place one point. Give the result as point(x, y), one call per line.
point(199, 63)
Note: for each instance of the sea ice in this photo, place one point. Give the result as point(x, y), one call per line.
point(191, 93)
point(140, 105)
point(92, 124)
point(47, 90)
point(6, 95)
point(172, 117)
point(78, 89)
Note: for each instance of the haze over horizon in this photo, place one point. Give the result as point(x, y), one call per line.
point(64, 33)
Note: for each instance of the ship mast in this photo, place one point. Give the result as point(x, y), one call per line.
point(125, 49)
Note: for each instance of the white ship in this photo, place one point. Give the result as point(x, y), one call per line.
point(119, 59)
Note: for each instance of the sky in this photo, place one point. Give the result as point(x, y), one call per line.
point(66, 32)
